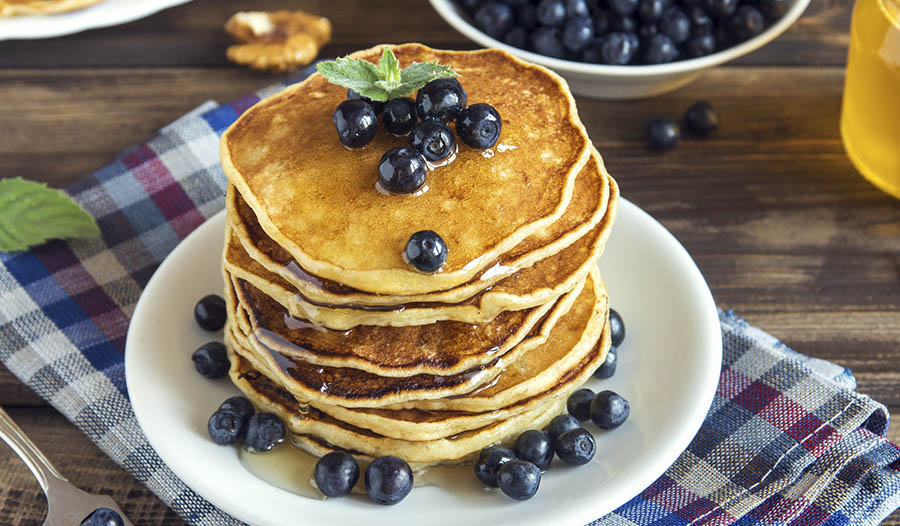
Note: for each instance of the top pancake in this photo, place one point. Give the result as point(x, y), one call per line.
point(317, 199)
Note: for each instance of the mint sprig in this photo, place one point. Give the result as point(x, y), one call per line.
point(384, 81)
point(31, 214)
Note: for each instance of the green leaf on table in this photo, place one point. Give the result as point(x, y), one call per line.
point(385, 81)
point(31, 214)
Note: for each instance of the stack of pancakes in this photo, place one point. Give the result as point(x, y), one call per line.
point(356, 350)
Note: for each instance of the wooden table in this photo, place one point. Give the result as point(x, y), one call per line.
point(782, 226)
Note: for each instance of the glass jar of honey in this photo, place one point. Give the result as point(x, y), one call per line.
point(870, 121)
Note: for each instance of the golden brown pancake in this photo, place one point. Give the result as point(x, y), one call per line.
point(318, 200)
point(41, 7)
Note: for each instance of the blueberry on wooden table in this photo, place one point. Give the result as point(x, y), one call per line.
point(663, 133)
point(519, 479)
point(336, 473)
point(608, 368)
point(388, 480)
point(356, 123)
point(103, 517)
point(534, 446)
point(211, 360)
point(609, 410)
point(701, 119)
point(210, 312)
point(264, 431)
point(579, 403)
point(402, 170)
point(576, 447)
point(489, 462)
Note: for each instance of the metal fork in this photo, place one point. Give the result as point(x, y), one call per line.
point(66, 504)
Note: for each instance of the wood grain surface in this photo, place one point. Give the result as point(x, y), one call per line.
point(784, 229)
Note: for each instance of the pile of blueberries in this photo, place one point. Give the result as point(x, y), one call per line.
point(426, 121)
point(621, 32)
point(517, 472)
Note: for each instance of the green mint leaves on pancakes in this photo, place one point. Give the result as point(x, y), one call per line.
point(384, 81)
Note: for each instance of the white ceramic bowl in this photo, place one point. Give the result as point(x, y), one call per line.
point(623, 82)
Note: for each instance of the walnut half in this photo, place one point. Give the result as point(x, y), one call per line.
point(277, 40)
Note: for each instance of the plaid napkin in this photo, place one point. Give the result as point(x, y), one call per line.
point(787, 440)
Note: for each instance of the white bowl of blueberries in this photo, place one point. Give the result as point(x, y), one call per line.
point(623, 49)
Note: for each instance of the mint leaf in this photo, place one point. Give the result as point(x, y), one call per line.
point(31, 214)
point(386, 80)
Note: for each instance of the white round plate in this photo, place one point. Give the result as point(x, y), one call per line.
point(668, 369)
point(104, 14)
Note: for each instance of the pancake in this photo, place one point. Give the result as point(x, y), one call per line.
point(442, 348)
point(543, 282)
point(355, 388)
point(281, 156)
point(41, 7)
point(268, 396)
point(587, 207)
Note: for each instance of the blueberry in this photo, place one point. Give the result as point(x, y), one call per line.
point(609, 410)
point(676, 25)
point(773, 9)
point(239, 405)
point(700, 46)
point(526, 16)
point(519, 479)
point(623, 7)
point(441, 99)
point(559, 425)
point(399, 116)
point(336, 473)
point(355, 122)
point(479, 126)
point(577, 8)
point(579, 404)
point(548, 41)
point(647, 30)
point(651, 10)
point(377, 105)
point(608, 368)
point(433, 139)
point(402, 170)
point(746, 23)
point(700, 22)
point(489, 462)
point(494, 18)
point(388, 480)
point(576, 447)
point(210, 312)
point(602, 21)
point(103, 517)
point(723, 39)
point(426, 251)
point(660, 50)
point(719, 9)
point(593, 52)
point(701, 119)
point(624, 24)
point(616, 328)
point(551, 13)
point(264, 431)
point(662, 134)
point(226, 426)
point(516, 37)
point(618, 49)
point(534, 446)
point(578, 33)
point(211, 360)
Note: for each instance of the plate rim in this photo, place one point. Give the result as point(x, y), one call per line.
point(680, 439)
point(91, 17)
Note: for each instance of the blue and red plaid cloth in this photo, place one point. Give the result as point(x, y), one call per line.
point(787, 440)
